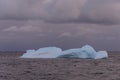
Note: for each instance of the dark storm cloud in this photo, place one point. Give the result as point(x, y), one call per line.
point(23, 35)
point(89, 11)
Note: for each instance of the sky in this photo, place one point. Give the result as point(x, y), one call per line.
point(32, 24)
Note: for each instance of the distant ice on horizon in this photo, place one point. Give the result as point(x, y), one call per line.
point(86, 51)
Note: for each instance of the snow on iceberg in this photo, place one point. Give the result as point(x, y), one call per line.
point(53, 52)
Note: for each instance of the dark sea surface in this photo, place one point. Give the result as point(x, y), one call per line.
point(14, 68)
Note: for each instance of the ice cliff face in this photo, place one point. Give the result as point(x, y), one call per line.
point(53, 52)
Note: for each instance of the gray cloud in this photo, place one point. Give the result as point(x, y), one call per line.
point(22, 35)
point(22, 29)
point(20, 9)
point(89, 11)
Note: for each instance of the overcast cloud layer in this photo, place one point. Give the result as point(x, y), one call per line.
point(31, 24)
point(89, 11)
point(33, 34)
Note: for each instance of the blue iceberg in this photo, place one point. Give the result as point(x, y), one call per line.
point(47, 52)
point(86, 51)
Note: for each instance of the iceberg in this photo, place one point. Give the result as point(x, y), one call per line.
point(86, 51)
point(47, 52)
